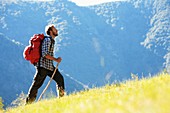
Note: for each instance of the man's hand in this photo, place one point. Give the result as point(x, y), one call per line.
point(58, 59)
point(53, 58)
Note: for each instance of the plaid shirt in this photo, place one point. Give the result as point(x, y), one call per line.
point(47, 49)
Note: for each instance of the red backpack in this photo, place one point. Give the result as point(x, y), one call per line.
point(32, 52)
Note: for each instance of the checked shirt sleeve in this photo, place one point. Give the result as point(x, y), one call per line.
point(46, 47)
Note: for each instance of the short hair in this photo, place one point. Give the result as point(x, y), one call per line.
point(48, 28)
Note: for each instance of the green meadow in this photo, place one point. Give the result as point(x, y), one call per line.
point(147, 95)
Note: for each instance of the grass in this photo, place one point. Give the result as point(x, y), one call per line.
point(150, 95)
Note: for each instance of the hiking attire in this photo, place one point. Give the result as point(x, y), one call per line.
point(45, 68)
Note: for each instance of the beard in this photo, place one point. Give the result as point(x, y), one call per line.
point(55, 34)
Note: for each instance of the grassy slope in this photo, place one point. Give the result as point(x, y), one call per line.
point(144, 96)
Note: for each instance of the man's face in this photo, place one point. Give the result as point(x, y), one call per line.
point(54, 31)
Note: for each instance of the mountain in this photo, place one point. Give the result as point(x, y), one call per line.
point(155, 16)
point(98, 44)
point(15, 72)
point(158, 36)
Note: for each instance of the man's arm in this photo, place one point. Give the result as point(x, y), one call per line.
point(53, 58)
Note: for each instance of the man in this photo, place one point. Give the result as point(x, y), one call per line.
point(45, 66)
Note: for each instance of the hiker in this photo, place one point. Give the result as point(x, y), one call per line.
point(45, 66)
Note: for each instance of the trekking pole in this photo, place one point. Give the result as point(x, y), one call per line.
point(48, 82)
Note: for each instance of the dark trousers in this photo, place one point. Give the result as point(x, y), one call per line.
point(39, 78)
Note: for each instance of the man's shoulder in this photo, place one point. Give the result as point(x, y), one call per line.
point(48, 39)
point(46, 36)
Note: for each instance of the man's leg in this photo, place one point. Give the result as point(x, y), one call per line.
point(60, 83)
point(36, 84)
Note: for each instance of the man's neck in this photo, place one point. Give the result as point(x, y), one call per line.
point(53, 36)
